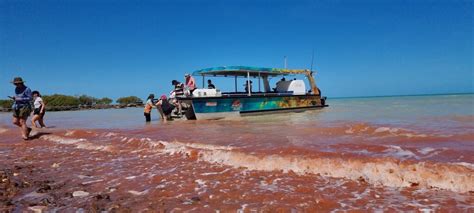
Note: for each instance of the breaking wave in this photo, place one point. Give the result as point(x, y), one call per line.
point(80, 143)
point(362, 128)
point(384, 171)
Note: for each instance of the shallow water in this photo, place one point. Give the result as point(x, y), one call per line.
point(387, 153)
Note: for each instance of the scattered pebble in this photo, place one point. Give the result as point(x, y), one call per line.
point(37, 209)
point(91, 182)
point(133, 192)
point(80, 194)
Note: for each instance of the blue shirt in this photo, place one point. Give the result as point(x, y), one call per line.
point(23, 97)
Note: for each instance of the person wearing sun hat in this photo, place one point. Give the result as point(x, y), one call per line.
point(190, 83)
point(21, 106)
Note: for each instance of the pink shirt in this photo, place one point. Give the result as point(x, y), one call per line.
point(190, 83)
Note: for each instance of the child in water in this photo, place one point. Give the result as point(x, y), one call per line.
point(39, 110)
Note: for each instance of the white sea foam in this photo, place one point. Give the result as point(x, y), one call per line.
point(110, 134)
point(387, 173)
point(2, 130)
point(468, 165)
point(426, 150)
point(69, 132)
point(382, 129)
point(398, 132)
point(80, 143)
point(398, 152)
point(62, 140)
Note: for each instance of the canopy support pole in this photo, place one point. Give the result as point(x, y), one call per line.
point(235, 83)
point(259, 90)
point(203, 80)
point(248, 83)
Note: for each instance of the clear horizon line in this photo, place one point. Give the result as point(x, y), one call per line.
point(404, 95)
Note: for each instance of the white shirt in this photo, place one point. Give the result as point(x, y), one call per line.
point(38, 102)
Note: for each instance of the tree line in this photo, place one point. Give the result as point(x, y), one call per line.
point(59, 100)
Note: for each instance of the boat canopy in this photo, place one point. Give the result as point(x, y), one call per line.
point(245, 71)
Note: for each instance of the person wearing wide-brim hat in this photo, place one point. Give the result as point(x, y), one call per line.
point(21, 106)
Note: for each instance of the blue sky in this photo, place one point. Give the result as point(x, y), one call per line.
point(119, 48)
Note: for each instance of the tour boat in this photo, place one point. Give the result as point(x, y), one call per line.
point(286, 96)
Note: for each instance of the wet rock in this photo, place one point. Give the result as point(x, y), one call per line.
point(196, 199)
point(111, 189)
point(361, 179)
point(102, 197)
point(43, 188)
point(80, 194)
point(68, 194)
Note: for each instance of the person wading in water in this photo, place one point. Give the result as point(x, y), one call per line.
point(148, 105)
point(39, 111)
point(21, 106)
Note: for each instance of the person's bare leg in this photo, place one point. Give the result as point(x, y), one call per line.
point(41, 121)
point(16, 121)
point(24, 128)
point(160, 110)
point(33, 120)
point(180, 111)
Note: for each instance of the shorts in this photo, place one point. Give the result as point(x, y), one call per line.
point(37, 111)
point(22, 112)
point(147, 116)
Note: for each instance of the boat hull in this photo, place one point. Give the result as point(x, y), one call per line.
point(229, 107)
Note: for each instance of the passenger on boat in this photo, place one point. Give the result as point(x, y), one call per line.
point(190, 83)
point(165, 108)
point(210, 85)
point(246, 85)
point(178, 88)
point(278, 83)
point(148, 105)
